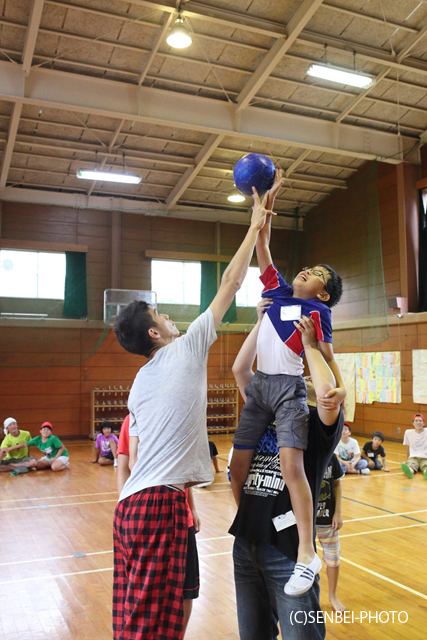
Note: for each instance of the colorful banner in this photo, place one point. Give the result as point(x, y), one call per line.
point(378, 377)
point(419, 369)
point(347, 364)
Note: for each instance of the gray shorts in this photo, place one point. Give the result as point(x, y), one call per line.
point(281, 398)
point(17, 460)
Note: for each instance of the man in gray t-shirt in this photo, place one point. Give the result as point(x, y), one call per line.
point(167, 406)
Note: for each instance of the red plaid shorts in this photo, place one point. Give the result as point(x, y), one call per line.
point(150, 549)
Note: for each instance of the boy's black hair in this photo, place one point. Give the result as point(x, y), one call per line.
point(378, 434)
point(333, 286)
point(106, 424)
point(131, 328)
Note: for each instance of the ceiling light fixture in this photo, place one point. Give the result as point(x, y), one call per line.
point(179, 38)
point(106, 176)
point(236, 197)
point(343, 77)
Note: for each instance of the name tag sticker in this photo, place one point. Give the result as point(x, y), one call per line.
point(292, 312)
point(284, 521)
point(370, 454)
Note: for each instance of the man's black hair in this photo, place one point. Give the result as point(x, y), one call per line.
point(106, 424)
point(333, 286)
point(131, 328)
point(378, 434)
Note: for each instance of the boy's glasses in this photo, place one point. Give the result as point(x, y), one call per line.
point(316, 272)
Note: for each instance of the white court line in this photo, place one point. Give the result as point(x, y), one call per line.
point(75, 495)
point(54, 506)
point(365, 533)
point(92, 553)
point(59, 575)
point(387, 515)
point(380, 475)
point(210, 555)
point(97, 553)
point(206, 493)
point(378, 575)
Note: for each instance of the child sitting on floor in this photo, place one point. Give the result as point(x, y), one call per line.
point(372, 450)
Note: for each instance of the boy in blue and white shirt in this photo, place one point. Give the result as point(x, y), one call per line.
point(277, 391)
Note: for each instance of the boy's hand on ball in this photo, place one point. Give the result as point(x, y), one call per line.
point(259, 211)
point(277, 185)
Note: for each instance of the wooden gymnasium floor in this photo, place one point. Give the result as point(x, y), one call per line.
point(46, 518)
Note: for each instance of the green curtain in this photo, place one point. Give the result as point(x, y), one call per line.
point(208, 289)
point(75, 294)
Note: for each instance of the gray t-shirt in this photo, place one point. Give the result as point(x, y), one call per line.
point(167, 406)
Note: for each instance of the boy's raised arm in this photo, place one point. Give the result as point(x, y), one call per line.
point(263, 241)
point(242, 367)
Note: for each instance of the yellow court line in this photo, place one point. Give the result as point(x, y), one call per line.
point(75, 495)
point(365, 533)
point(387, 515)
point(378, 575)
point(53, 506)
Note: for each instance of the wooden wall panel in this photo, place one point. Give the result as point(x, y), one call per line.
point(62, 394)
point(389, 417)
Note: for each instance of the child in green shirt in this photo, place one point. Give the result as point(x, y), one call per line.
point(56, 455)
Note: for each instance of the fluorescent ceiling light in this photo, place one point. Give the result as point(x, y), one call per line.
point(179, 38)
point(236, 197)
point(106, 176)
point(336, 75)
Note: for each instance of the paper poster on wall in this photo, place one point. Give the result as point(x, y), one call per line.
point(419, 372)
point(347, 364)
point(378, 377)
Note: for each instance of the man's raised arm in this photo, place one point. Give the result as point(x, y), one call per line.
point(236, 271)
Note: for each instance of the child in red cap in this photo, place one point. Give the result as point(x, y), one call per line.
point(416, 447)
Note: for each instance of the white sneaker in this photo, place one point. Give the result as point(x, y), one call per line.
point(303, 577)
point(115, 462)
point(365, 472)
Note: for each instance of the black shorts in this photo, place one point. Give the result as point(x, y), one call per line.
point(192, 579)
point(109, 456)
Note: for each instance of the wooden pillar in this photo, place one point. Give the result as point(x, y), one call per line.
point(115, 249)
point(407, 197)
point(218, 253)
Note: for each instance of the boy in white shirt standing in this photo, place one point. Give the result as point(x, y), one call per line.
point(349, 456)
point(416, 447)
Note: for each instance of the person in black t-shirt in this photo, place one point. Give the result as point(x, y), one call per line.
point(328, 523)
point(266, 544)
point(372, 449)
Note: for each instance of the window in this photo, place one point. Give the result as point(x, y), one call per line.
point(32, 274)
point(179, 283)
point(176, 282)
point(250, 292)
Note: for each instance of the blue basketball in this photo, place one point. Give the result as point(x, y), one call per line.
point(254, 170)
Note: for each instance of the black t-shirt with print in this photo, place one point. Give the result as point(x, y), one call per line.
point(326, 505)
point(266, 496)
point(373, 453)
